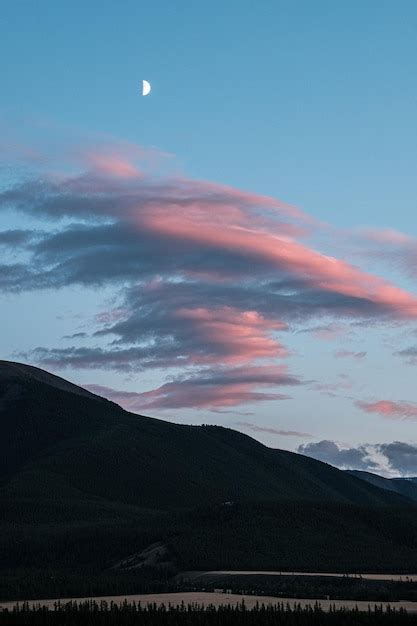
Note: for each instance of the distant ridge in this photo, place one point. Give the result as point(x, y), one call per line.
point(404, 486)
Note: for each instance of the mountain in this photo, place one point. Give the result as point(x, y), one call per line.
point(85, 484)
point(50, 428)
point(404, 486)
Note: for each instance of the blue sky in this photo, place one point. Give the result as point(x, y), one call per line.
point(310, 103)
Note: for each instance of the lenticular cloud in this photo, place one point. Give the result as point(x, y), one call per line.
point(206, 277)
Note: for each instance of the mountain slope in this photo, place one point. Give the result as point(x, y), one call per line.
point(58, 439)
point(85, 484)
point(404, 486)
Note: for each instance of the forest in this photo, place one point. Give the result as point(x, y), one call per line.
point(76, 558)
point(288, 586)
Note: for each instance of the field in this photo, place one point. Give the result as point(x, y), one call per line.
point(217, 600)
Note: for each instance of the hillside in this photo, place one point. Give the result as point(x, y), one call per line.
point(50, 428)
point(84, 484)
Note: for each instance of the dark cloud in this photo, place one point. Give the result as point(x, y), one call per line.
point(392, 459)
point(344, 458)
point(409, 354)
point(344, 354)
point(15, 237)
point(80, 335)
point(402, 457)
point(18, 277)
point(111, 358)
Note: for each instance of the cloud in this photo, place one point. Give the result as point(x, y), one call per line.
point(389, 244)
point(207, 278)
point(272, 431)
point(207, 389)
point(80, 335)
point(409, 354)
point(390, 409)
point(343, 383)
point(327, 332)
point(15, 237)
point(128, 359)
point(402, 457)
point(344, 458)
point(389, 236)
point(113, 165)
point(200, 334)
point(344, 354)
point(166, 335)
point(389, 459)
point(139, 226)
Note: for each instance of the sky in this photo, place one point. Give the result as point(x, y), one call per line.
point(239, 246)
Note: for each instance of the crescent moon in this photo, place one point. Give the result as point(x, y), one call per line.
point(146, 88)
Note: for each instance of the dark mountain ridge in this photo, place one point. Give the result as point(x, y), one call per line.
point(85, 484)
point(50, 427)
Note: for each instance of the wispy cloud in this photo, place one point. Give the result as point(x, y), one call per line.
point(390, 409)
point(343, 383)
point(409, 354)
point(271, 431)
point(345, 354)
point(209, 278)
point(207, 388)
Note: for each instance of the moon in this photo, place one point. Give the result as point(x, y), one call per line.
point(146, 88)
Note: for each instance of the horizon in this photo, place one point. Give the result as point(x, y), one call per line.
point(236, 248)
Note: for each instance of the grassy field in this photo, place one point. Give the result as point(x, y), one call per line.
point(217, 600)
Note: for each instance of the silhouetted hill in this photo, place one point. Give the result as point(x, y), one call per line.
point(85, 484)
point(50, 428)
point(404, 486)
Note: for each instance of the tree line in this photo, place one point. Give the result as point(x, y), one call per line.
point(92, 613)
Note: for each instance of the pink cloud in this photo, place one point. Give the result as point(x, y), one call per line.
point(387, 236)
point(245, 198)
point(113, 165)
point(232, 228)
point(191, 214)
point(181, 395)
point(207, 389)
point(206, 272)
point(388, 408)
point(233, 336)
